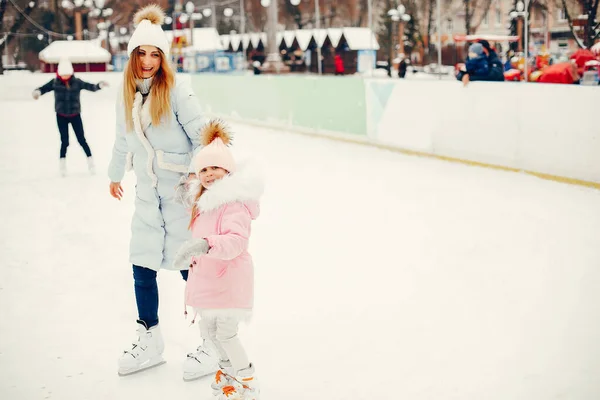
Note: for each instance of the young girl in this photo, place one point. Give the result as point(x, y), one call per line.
point(224, 201)
point(67, 105)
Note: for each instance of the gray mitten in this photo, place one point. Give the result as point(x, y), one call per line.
point(191, 248)
point(36, 94)
point(186, 190)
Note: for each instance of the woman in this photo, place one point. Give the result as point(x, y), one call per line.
point(158, 125)
point(67, 105)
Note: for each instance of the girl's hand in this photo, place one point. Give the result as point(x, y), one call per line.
point(116, 190)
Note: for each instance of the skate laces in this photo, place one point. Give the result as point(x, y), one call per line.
point(229, 390)
point(199, 351)
point(137, 347)
point(218, 376)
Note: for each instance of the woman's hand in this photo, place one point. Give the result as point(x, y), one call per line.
point(190, 178)
point(116, 190)
point(465, 79)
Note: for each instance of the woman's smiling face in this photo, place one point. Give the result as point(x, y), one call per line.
point(149, 60)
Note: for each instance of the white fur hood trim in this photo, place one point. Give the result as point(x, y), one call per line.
point(244, 185)
point(137, 115)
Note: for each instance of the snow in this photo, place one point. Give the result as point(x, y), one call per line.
point(77, 51)
point(378, 275)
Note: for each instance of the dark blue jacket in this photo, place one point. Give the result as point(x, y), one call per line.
point(66, 94)
point(493, 72)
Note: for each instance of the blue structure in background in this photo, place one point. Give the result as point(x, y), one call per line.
point(366, 60)
point(119, 61)
point(220, 62)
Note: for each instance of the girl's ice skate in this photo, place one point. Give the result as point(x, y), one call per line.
point(145, 353)
point(91, 165)
point(243, 387)
point(201, 363)
point(223, 377)
point(62, 167)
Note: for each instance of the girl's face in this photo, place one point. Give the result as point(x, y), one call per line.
point(209, 175)
point(65, 77)
point(149, 60)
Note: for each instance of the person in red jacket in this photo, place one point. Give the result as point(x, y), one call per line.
point(339, 65)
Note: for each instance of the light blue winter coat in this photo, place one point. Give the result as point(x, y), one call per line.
point(160, 156)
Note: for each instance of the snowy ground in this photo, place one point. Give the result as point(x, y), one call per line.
point(378, 275)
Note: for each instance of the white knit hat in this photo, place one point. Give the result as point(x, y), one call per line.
point(65, 68)
point(149, 31)
point(215, 138)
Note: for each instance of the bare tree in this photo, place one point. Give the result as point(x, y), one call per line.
point(584, 13)
point(472, 8)
point(20, 18)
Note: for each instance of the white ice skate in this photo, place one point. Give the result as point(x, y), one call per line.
point(62, 167)
point(201, 363)
point(223, 377)
point(243, 387)
point(91, 165)
point(145, 353)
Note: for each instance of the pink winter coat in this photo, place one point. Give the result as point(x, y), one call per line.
point(224, 277)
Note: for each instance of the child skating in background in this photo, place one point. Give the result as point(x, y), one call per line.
point(223, 199)
point(67, 106)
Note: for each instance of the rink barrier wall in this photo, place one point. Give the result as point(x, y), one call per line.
point(542, 129)
point(326, 104)
point(506, 126)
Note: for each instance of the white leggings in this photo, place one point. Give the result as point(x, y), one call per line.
point(222, 330)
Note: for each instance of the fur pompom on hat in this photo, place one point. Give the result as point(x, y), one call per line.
point(149, 31)
point(215, 137)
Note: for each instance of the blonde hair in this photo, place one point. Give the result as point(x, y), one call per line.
point(195, 210)
point(163, 82)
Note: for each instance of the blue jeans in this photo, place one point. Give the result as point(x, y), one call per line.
point(146, 294)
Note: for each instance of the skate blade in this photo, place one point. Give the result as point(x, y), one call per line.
point(195, 377)
point(143, 368)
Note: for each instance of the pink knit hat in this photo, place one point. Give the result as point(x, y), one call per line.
point(215, 137)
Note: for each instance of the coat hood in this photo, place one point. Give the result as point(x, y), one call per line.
point(246, 185)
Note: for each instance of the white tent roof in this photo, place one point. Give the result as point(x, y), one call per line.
point(357, 38)
point(360, 39)
point(303, 36)
point(319, 35)
point(235, 41)
point(225, 40)
point(204, 40)
point(255, 38)
point(335, 34)
point(288, 37)
point(245, 40)
point(77, 51)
